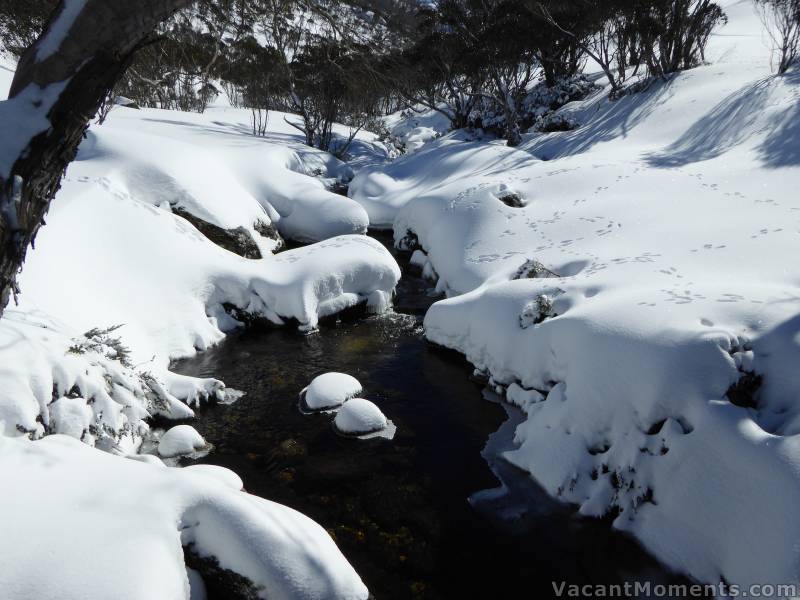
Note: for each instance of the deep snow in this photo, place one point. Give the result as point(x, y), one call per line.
point(117, 252)
point(79, 523)
point(668, 221)
point(114, 252)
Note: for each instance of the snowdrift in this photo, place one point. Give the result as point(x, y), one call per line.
point(80, 523)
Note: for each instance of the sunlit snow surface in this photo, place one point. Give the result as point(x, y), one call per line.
point(329, 390)
point(114, 252)
point(672, 220)
point(79, 523)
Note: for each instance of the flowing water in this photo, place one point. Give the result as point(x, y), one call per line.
point(423, 515)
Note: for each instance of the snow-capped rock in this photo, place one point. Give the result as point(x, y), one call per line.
point(359, 416)
point(180, 440)
point(330, 390)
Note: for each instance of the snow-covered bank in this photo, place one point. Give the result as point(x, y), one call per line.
point(167, 284)
point(126, 277)
point(660, 325)
point(116, 251)
point(80, 523)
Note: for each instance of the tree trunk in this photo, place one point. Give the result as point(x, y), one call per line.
point(60, 83)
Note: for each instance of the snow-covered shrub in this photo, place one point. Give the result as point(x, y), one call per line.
point(84, 386)
point(537, 311)
point(533, 269)
point(552, 123)
point(538, 107)
point(102, 342)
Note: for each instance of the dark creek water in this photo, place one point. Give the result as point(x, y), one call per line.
point(399, 509)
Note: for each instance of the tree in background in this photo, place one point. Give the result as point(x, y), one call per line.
point(781, 19)
point(21, 22)
point(663, 35)
point(251, 77)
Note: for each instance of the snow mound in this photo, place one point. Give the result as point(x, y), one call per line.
point(209, 164)
point(330, 390)
point(71, 416)
point(221, 474)
point(179, 441)
point(409, 130)
point(325, 278)
point(109, 508)
point(359, 416)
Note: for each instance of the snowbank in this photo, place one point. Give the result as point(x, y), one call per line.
point(142, 261)
point(221, 474)
point(120, 261)
point(95, 513)
point(654, 348)
point(411, 129)
point(213, 163)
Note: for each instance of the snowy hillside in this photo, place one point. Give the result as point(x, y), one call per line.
point(642, 303)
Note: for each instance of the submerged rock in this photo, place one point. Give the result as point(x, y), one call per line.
point(330, 390)
point(359, 416)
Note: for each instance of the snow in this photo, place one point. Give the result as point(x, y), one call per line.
point(27, 109)
point(221, 474)
point(115, 247)
point(359, 416)
point(412, 129)
point(42, 360)
point(116, 258)
point(180, 440)
point(71, 416)
point(58, 30)
point(665, 225)
point(210, 165)
point(115, 252)
point(7, 68)
point(197, 588)
point(94, 513)
point(330, 390)
point(666, 221)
